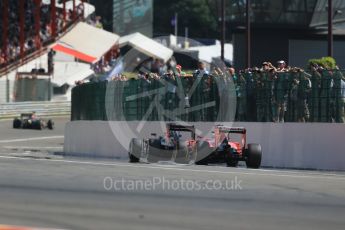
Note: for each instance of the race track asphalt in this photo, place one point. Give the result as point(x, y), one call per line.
point(41, 189)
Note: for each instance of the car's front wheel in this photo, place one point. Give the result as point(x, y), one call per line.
point(134, 150)
point(17, 123)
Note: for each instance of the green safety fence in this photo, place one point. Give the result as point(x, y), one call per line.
point(290, 96)
point(184, 99)
point(255, 96)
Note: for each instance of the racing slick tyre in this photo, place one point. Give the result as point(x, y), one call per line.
point(17, 123)
point(50, 124)
point(254, 154)
point(134, 150)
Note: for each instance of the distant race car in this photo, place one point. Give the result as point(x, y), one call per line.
point(225, 149)
point(30, 121)
point(222, 148)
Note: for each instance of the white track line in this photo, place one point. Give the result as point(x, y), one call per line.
point(255, 172)
point(4, 227)
point(30, 139)
point(32, 147)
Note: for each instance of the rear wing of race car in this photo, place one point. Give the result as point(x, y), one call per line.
point(220, 131)
point(181, 128)
point(238, 130)
point(25, 115)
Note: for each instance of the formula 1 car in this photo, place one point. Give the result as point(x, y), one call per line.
point(224, 148)
point(30, 121)
point(171, 147)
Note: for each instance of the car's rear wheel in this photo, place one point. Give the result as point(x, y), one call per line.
point(134, 150)
point(254, 155)
point(17, 123)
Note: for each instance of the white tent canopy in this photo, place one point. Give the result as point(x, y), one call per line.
point(206, 53)
point(69, 72)
point(147, 46)
point(86, 42)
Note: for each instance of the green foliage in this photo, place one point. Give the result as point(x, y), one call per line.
point(105, 10)
point(328, 62)
point(325, 62)
point(199, 16)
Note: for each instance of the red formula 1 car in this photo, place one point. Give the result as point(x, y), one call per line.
point(224, 148)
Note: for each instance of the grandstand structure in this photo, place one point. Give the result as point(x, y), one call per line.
point(31, 30)
point(28, 27)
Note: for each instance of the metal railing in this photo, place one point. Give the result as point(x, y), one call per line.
point(53, 108)
point(259, 96)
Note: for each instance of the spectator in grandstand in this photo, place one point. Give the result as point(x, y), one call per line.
point(263, 96)
point(241, 94)
point(154, 76)
point(179, 72)
point(280, 93)
point(217, 72)
point(232, 73)
point(299, 89)
point(31, 40)
point(51, 54)
point(342, 103)
point(251, 94)
point(270, 87)
point(325, 96)
point(314, 101)
point(281, 66)
point(162, 67)
point(98, 23)
point(304, 88)
point(267, 66)
point(80, 10)
point(2, 58)
point(170, 89)
point(155, 66)
point(79, 82)
point(336, 95)
point(201, 71)
point(171, 64)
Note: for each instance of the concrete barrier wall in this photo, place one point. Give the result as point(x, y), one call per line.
point(288, 145)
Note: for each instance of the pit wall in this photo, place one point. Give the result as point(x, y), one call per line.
point(285, 145)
